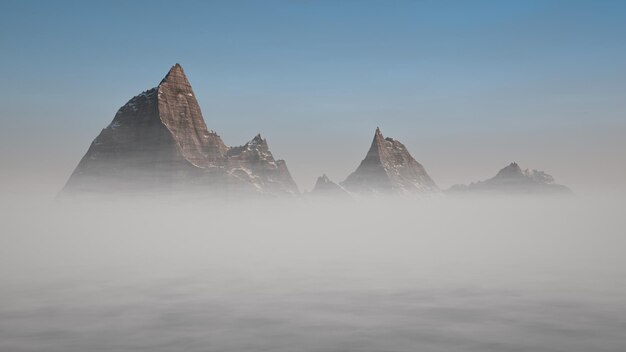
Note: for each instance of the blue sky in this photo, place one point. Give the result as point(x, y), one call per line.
point(467, 85)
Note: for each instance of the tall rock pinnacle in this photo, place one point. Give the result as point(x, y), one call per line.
point(388, 167)
point(180, 113)
point(159, 141)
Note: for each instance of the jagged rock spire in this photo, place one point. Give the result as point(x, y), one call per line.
point(377, 148)
point(180, 112)
point(176, 74)
point(388, 167)
point(322, 182)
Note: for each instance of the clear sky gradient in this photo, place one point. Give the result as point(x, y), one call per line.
point(468, 86)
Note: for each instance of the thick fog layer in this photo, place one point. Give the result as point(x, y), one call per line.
point(435, 273)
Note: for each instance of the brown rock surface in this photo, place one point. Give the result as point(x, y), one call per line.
point(180, 113)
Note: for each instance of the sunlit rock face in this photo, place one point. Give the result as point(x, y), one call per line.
point(513, 180)
point(389, 168)
point(159, 142)
point(180, 113)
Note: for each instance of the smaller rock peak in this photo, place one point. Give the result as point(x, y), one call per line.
point(257, 139)
point(177, 68)
point(514, 167)
point(322, 182)
point(175, 74)
point(512, 170)
point(378, 137)
point(324, 186)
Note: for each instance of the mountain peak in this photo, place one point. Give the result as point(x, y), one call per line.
point(377, 144)
point(511, 170)
point(323, 179)
point(258, 143)
point(180, 112)
point(378, 136)
point(325, 187)
point(159, 140)
point(513, 180)
point(176, 75)
point(389, 167)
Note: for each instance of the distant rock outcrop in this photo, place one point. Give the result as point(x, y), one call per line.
point(158, 141)
point(513, 180)
point(389, 168)
point(325, 187)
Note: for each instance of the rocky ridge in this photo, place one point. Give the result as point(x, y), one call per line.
point(159, 142)
point(513, 180)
